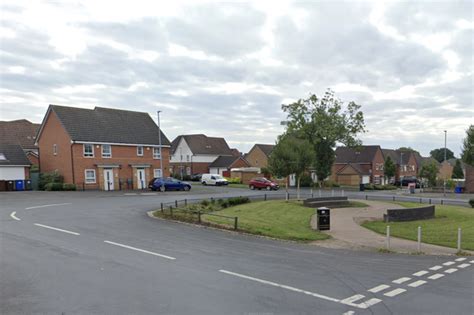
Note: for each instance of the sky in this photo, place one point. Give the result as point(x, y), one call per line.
point(225, 68)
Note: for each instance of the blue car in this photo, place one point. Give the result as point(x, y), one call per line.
point(168, 183)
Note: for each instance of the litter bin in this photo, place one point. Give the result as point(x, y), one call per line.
point(3, 185)
point(323, 218)
point(19, 185)
point(458, 189)
point(361, 187)
point(27, 184)
point(10, 185)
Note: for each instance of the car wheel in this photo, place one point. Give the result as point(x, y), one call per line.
point(269, 188)
point(204, 183)
point(252, 187)
point(162, 188)
point(186, 188)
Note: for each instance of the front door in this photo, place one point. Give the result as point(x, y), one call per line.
point(141, 180)
point(108, 179)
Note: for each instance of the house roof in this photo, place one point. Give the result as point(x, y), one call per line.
point(396, 156)
point(22, 132)
point(13, 154)
point(266, 148)
point(202, 144)
point(360, 170)
point(360, 154)
point(224, 161)
point(108, 125)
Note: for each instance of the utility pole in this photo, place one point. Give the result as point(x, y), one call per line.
point(444, 176)
point(159, 143)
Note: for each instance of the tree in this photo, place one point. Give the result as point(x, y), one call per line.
point(291, 155)
point(389, 168)
point(438, 154)
point(467, 154)
point(429, 171)
point(323, 123)
point(407, 149)
point(457, 170)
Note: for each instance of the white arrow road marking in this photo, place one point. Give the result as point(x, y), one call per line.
point(401, 280)
point(51, 205)
point(379, 288)
point(436, 276)
point(14, 217)
point(395, 292)
point(140, 250)
point(56, 229)
point(416, 283)
point(420, 273)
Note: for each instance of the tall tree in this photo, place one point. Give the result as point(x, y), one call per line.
point(389, 168)
point(457, 170)
point(438, 154)
point(408, 149)
point(468, 146)
point(323, 122)
point(429, 171)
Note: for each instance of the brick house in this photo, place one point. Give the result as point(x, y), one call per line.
point(223, 165)
point(14, 163)
point(259, 154)
point(102, 148)
point(362, 164)
point(21, 132)
point(469, 178)
point(193, 154)
point(406, 163)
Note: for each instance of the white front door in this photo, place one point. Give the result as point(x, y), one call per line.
point(141, 180)
point(108, 179)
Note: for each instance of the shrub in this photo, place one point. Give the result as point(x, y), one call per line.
point(205, 202)
point(53, 177)
point(234, 180)
point(306, 181)
point(53, 187)
point(224, 204)
point(330, 183)
point(369, 187)
point(234, 201)
point(471, 202)
point(69, 187)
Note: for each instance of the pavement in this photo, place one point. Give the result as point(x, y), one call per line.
point(99, 253)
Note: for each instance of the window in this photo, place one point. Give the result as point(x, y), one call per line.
point(106, 151)
point(188, 170)
point(140, 151)
point(157, 153)
point(55, 149)
point(90, 176)
point(156, 172)
point(187, 158)
point(2, 157)
point(88, 150)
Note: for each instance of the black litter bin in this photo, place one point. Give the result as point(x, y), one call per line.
point(27, 184)
point(323, 218)
point(361, 187)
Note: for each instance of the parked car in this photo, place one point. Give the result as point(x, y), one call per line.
point(196, 177)
point(263, 183)
point(213, 179)
point(168, 183)
point(408, 180)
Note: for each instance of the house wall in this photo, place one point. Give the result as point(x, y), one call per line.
point(469, 179)
point(34, 160)
point(377, 176)
point(54, 133)
point(257, 158)
point(410, 169)
point(183, 154)
point(196, 168)
point(445, 170)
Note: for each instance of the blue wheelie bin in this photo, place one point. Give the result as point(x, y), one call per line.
point(19, 185)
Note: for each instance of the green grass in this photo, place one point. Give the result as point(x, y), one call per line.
point(279, 219)
point(442, 230)
point(238, 186)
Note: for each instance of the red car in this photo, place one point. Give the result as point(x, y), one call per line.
point(263, 183)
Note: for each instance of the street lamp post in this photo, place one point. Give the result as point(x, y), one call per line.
point(444, 176)
point(159, 143)
point(400, 171)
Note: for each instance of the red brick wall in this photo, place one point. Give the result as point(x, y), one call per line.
point(239, 163)
point(32, 158)
point(257, 158)
point(377, 165)
point(196, 168)
point(469, 185)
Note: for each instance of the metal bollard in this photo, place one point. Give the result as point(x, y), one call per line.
point(265, 197)
point(393, 198)
point(176, 203)
point(459, 239)
point(162, 208)
point(199, 216)
point(185, 202)
point(419, 239)
point(388, 237)
point(235, 222)
point(171, 210)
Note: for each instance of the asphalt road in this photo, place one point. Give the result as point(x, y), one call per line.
point(99, 253)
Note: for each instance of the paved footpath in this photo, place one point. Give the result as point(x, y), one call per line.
point(348, 233)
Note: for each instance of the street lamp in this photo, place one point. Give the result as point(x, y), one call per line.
point(444, 176)
point(400, 171)
point(159, 143)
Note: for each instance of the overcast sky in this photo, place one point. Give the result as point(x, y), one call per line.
point(224, 69)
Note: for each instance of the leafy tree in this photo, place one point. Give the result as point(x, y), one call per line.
point(323, 123)
point(389, 168)
point(407, 149)
point(429, 171)
point(468, 147)
point(438, 154)
point(457, 170)
point(291, 155)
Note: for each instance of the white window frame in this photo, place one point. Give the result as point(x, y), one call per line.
point(138, 153)
point(84, 150)
point(109, 155)
point(55, 149)
point(155, 171)
point(156, 156)
point(86, 181)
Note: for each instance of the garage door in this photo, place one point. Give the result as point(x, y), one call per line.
point(351, 180)
point(12, 172)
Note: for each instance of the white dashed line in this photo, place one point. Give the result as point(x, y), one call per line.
point(130, 194)
point(401, 280)
point(464, 265)
point(436, 268)
point(139, 250)
point(449, 263)
point(436, 276)
point(367, 303)
point(395, 292)
point(14, 217)
point(349, 313)
point(352, 299)
point(416, 283)
point(379, 288)
point(460, 259)
point(472, 261)
point(451, 270)
point(420, 273)
point(56, 229)
point(51, 205)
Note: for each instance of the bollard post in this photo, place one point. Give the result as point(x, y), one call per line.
point(171, 210)
point(185, 202)
point(176, 203)
point(311, 192)
point(162, 208)
point(388, 237)
point(441, 201)
point(199, 216)
point(366, 197)
point(419, 239)
point(332, 193)
point(393, 198)
point(420, 200)
point(287, 196)
point(235, 222)
point(429, 200)
point(459, 239)
point(265, 197)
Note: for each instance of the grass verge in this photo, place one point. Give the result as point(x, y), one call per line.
point(238, 186)
point(442, 230)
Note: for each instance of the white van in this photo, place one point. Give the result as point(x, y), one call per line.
point(213, 179)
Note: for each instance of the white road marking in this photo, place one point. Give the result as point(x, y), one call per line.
point(56, 229)
point(352, 299)
point(14, 217)
point(395, 292)
point(436, 268)
point(472, 261)
point(420, 273)
point(416, 283)
point(451, 270)
point(379, 288)
point(464, 265)
point(436, 276)
point(460, 259)
point(148, 194)
point(130, 194)
point(367, 303)
point(51, 205)
point(349, 313)
point(449, 263)
point(140, 250)
point(401, 280)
